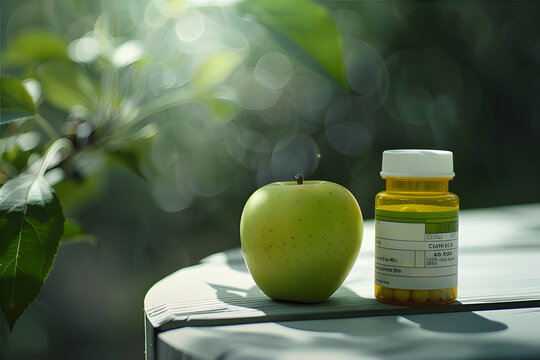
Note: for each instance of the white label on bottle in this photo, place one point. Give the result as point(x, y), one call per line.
point(418, 253)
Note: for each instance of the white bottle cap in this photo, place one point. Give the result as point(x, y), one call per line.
point(417, 164)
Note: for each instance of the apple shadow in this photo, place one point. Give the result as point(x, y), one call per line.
point(233, 296)
point(342, 304)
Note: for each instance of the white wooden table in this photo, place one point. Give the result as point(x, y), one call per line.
point(215, 310)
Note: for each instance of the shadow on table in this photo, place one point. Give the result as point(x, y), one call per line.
point(253, 306)
point(454, 322)
point(254, 298)
point(234, 296)
point(366, 327)
point(461, 322)
point(397, 337)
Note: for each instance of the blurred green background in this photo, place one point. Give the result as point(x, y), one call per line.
point(179, 110)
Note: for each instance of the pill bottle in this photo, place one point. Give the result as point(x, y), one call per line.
point(416, 229)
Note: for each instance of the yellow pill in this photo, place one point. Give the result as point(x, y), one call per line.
point(402, 294)
point(435, 295)
point(387, 293)
point(447, 294)
point(420, 296)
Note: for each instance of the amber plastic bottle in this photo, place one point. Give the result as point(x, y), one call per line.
point(416, 230)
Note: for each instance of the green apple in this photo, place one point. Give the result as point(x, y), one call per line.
point(301, 239)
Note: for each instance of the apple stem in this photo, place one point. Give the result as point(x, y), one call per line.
point(299, 179)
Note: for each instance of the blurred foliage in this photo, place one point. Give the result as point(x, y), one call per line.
point(111, 90)
point(178, 110)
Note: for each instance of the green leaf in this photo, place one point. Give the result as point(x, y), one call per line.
point(31, 224)
point(72, 230)
point(73, 233)
point(134, 151)
point(305, 29)
point(74, 194)
point(221, 109)
point(34, 45)
point(65, 86)
point(214, 70)
point(15, 102)
point(128, 158)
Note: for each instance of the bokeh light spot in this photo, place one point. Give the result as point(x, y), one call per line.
point(190, 26)
point(160, 77)
point(208, 180)
point(414, 104)
point(127, 53)
point(366, 71)
point(171, 8)
point(84, 50)
point(33, 88)
point(273, 70)
point(443, 118)
point(291, 156)
point(349, 138)
point(153, 17)
point(170, 191)
point(247, 147)
point(28, 140)
point(252, 95)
